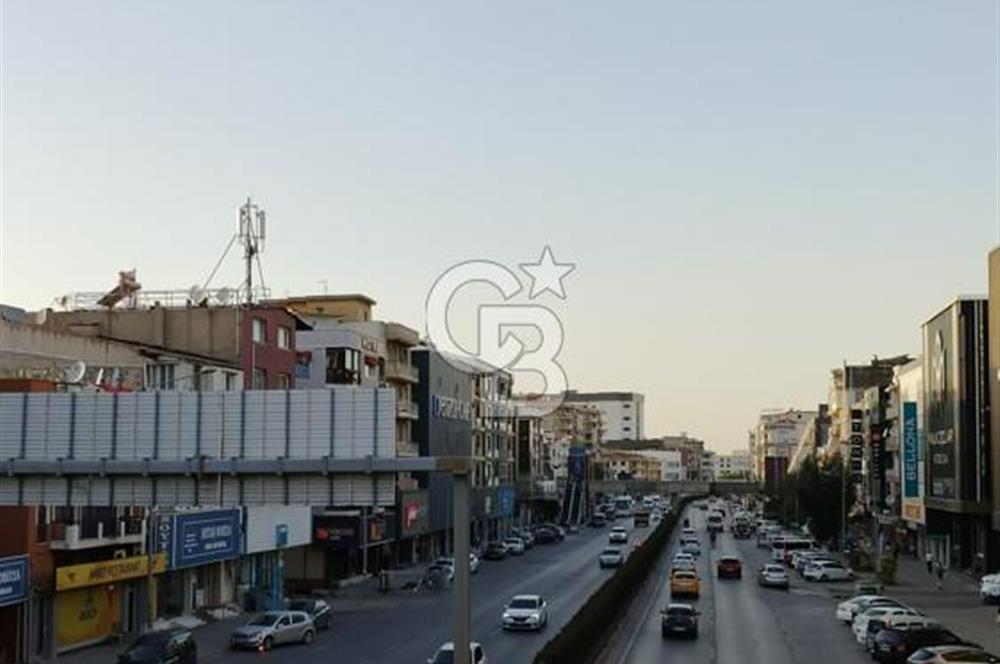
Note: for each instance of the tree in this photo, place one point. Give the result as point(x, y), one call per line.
point(812, 496)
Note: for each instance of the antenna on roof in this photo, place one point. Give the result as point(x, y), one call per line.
point(251, 236)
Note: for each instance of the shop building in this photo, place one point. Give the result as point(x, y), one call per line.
point(271, 533)
point(956, 424)
point(200, 549)
point(26, 588)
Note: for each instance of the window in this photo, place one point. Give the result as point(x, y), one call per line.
point(259, 379)
point(298, 618)
point(627, 418)
point(343, 366)
point(626, 428)
point(282, 381)
point(160, 376)
point(626, 405)
point(231, 381)
point(284, 337)
point(259, 330)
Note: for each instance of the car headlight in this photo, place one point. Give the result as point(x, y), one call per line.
point(533, 618)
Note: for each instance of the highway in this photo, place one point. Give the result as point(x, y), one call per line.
point(740, 621)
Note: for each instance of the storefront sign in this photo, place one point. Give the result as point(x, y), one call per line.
point(450, 409)
point(86, 615)
point(336, 532)
point(414, 513)
point(941, 405)
point(108, 571)
point(197, 538)
point(857, 444)
point(911, 451)
point(13, 580)
point(505, 498)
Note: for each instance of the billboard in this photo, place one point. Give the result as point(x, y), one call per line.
point(941, 404)
point(198, 538)
point(13, 580)
point(414, 513)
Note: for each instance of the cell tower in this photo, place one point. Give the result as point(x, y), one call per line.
point(251, 236)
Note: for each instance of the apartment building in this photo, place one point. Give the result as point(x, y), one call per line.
point(622, 413)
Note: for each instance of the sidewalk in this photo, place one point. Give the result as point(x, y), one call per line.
point(957, 605)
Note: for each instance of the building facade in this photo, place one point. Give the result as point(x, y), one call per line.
point(622, 413)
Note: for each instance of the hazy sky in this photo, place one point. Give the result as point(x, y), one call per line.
point(752, 191)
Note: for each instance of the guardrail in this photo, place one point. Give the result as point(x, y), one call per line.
point(583, 638)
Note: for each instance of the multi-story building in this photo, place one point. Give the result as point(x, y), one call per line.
point(732, 466)
point(692, 453)
point(257, 339)
point(813, 439)
point(707, 466)
point(630, 466)
point(579, 423)
point(905, 446)
point(775, 439)
point(994, 384)
point(956, 423)
point(621, 412)
point(465, 409)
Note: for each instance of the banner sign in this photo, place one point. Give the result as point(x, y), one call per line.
point(108, 571)
point(198, 538)
point(13, 580)
point(911, 451)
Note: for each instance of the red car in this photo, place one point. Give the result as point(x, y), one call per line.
point(729, 567)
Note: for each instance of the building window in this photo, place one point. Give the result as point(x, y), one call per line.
point(626, 405)
point(627, 418)
point(343, 366)
point(626, 428)
point(282, 381)
point(231, 381)
point(160, 376)
point(284, 337)
point(259, 330)
point(259, 379)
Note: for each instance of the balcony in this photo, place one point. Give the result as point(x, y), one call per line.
point(406, 410)
point(396, 370)
point(407, 449)
point(93, 533)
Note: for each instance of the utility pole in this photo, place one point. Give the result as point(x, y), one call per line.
point(461, 551)
point(251, 236)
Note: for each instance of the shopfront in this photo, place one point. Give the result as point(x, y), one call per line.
point(356, 542)
point(14, 586)
point(200, 549)
point(95, 601)
point(414, 525)
point(271, 532)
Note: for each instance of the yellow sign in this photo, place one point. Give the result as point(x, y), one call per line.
point(85, 616)
point(108, 571)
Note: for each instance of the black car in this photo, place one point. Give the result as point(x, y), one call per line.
point(495, 551)
point(318, 610)
point(546, 536)
point(598, 520)
point(679, 620)
point(896, 645)
point(174, 646)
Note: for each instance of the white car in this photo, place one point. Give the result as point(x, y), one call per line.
point(618, 535)
point(692, 547)
point(860, 624)
point(846, 610)
point(772, 575)
point(525, 612)
point(515, 546)
point(611, 557)
point(684, 561)
point(446, 654)
point(989, 587)
point(448, 562)
point(827, 571)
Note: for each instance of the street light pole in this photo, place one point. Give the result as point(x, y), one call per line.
point(461, 544)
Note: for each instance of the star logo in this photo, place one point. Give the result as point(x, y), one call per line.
point(547, 274)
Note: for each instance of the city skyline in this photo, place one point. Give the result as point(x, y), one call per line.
point(716, 193)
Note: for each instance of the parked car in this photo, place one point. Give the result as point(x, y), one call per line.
point(729, 567)
point(829, 570)
point(173, 646)
point(989, 588)
point(318, 610)
point(951, 654)
point(495, 551)
point(684, 583)
point(896, 645)
point(546, 536)
point(679, 619)
point(526, 536)
point(273, 628)
point(878, 623)
point(772, 575)
point(847, 609)
point(515, 546)
point(448, 562)
point(618, 535)
point(446, 654)
point(599, 520)
point(611, 557)
point(879, 614)
point(526, 612)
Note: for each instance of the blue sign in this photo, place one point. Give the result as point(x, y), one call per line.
point(13, 580)
point(505, 497)
point(200, 537)
point(281, 535)
point(911, 451)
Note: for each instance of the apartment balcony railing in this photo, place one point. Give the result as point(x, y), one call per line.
point(92, 533)
point(397, 370)
point(406, 409)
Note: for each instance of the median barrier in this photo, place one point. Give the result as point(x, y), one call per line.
point(583, 638)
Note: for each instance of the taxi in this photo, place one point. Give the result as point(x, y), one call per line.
point(684, 583)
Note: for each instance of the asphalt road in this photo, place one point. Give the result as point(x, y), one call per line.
point(740, 621)
point(409, 628)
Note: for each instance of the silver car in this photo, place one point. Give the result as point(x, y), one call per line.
point(273, 628)
point(526, 612)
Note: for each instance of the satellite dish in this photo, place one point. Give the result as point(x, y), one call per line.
point(197, 295)
point(74, 372)
point(223, 295)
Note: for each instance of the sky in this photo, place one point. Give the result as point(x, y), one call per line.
point(752, 193)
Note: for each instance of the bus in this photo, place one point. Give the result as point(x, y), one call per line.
point(624, 506)
point(782, 547)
